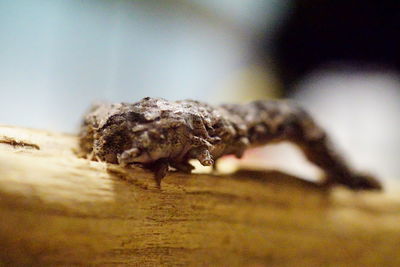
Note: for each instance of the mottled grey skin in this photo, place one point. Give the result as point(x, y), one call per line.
point(158, 133)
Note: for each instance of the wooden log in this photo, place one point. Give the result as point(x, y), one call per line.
point(59, 209)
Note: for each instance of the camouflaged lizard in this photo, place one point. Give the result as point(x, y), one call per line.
point(159, 134)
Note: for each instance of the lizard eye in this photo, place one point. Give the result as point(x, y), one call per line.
point(145, 139)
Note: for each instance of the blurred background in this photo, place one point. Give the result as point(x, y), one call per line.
point(340, 59)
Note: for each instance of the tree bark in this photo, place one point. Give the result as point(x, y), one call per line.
point(59, 209)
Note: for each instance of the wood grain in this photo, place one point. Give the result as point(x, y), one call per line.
point(58, 209)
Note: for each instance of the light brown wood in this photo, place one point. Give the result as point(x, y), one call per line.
point(58, 209)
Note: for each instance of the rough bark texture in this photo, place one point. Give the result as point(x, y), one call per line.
point(58, 209)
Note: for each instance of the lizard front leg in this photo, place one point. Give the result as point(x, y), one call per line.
point(160, 169)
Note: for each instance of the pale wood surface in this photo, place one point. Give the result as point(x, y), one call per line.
point(58, 209)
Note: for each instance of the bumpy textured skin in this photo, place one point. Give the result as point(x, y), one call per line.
point(157, 134)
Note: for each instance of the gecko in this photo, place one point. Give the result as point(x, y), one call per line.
point(159, 135)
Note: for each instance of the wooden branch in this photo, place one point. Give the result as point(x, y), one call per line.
point(58, 209)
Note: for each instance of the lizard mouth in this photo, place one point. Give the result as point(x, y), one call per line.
point(137, 155)
point(129, 156)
